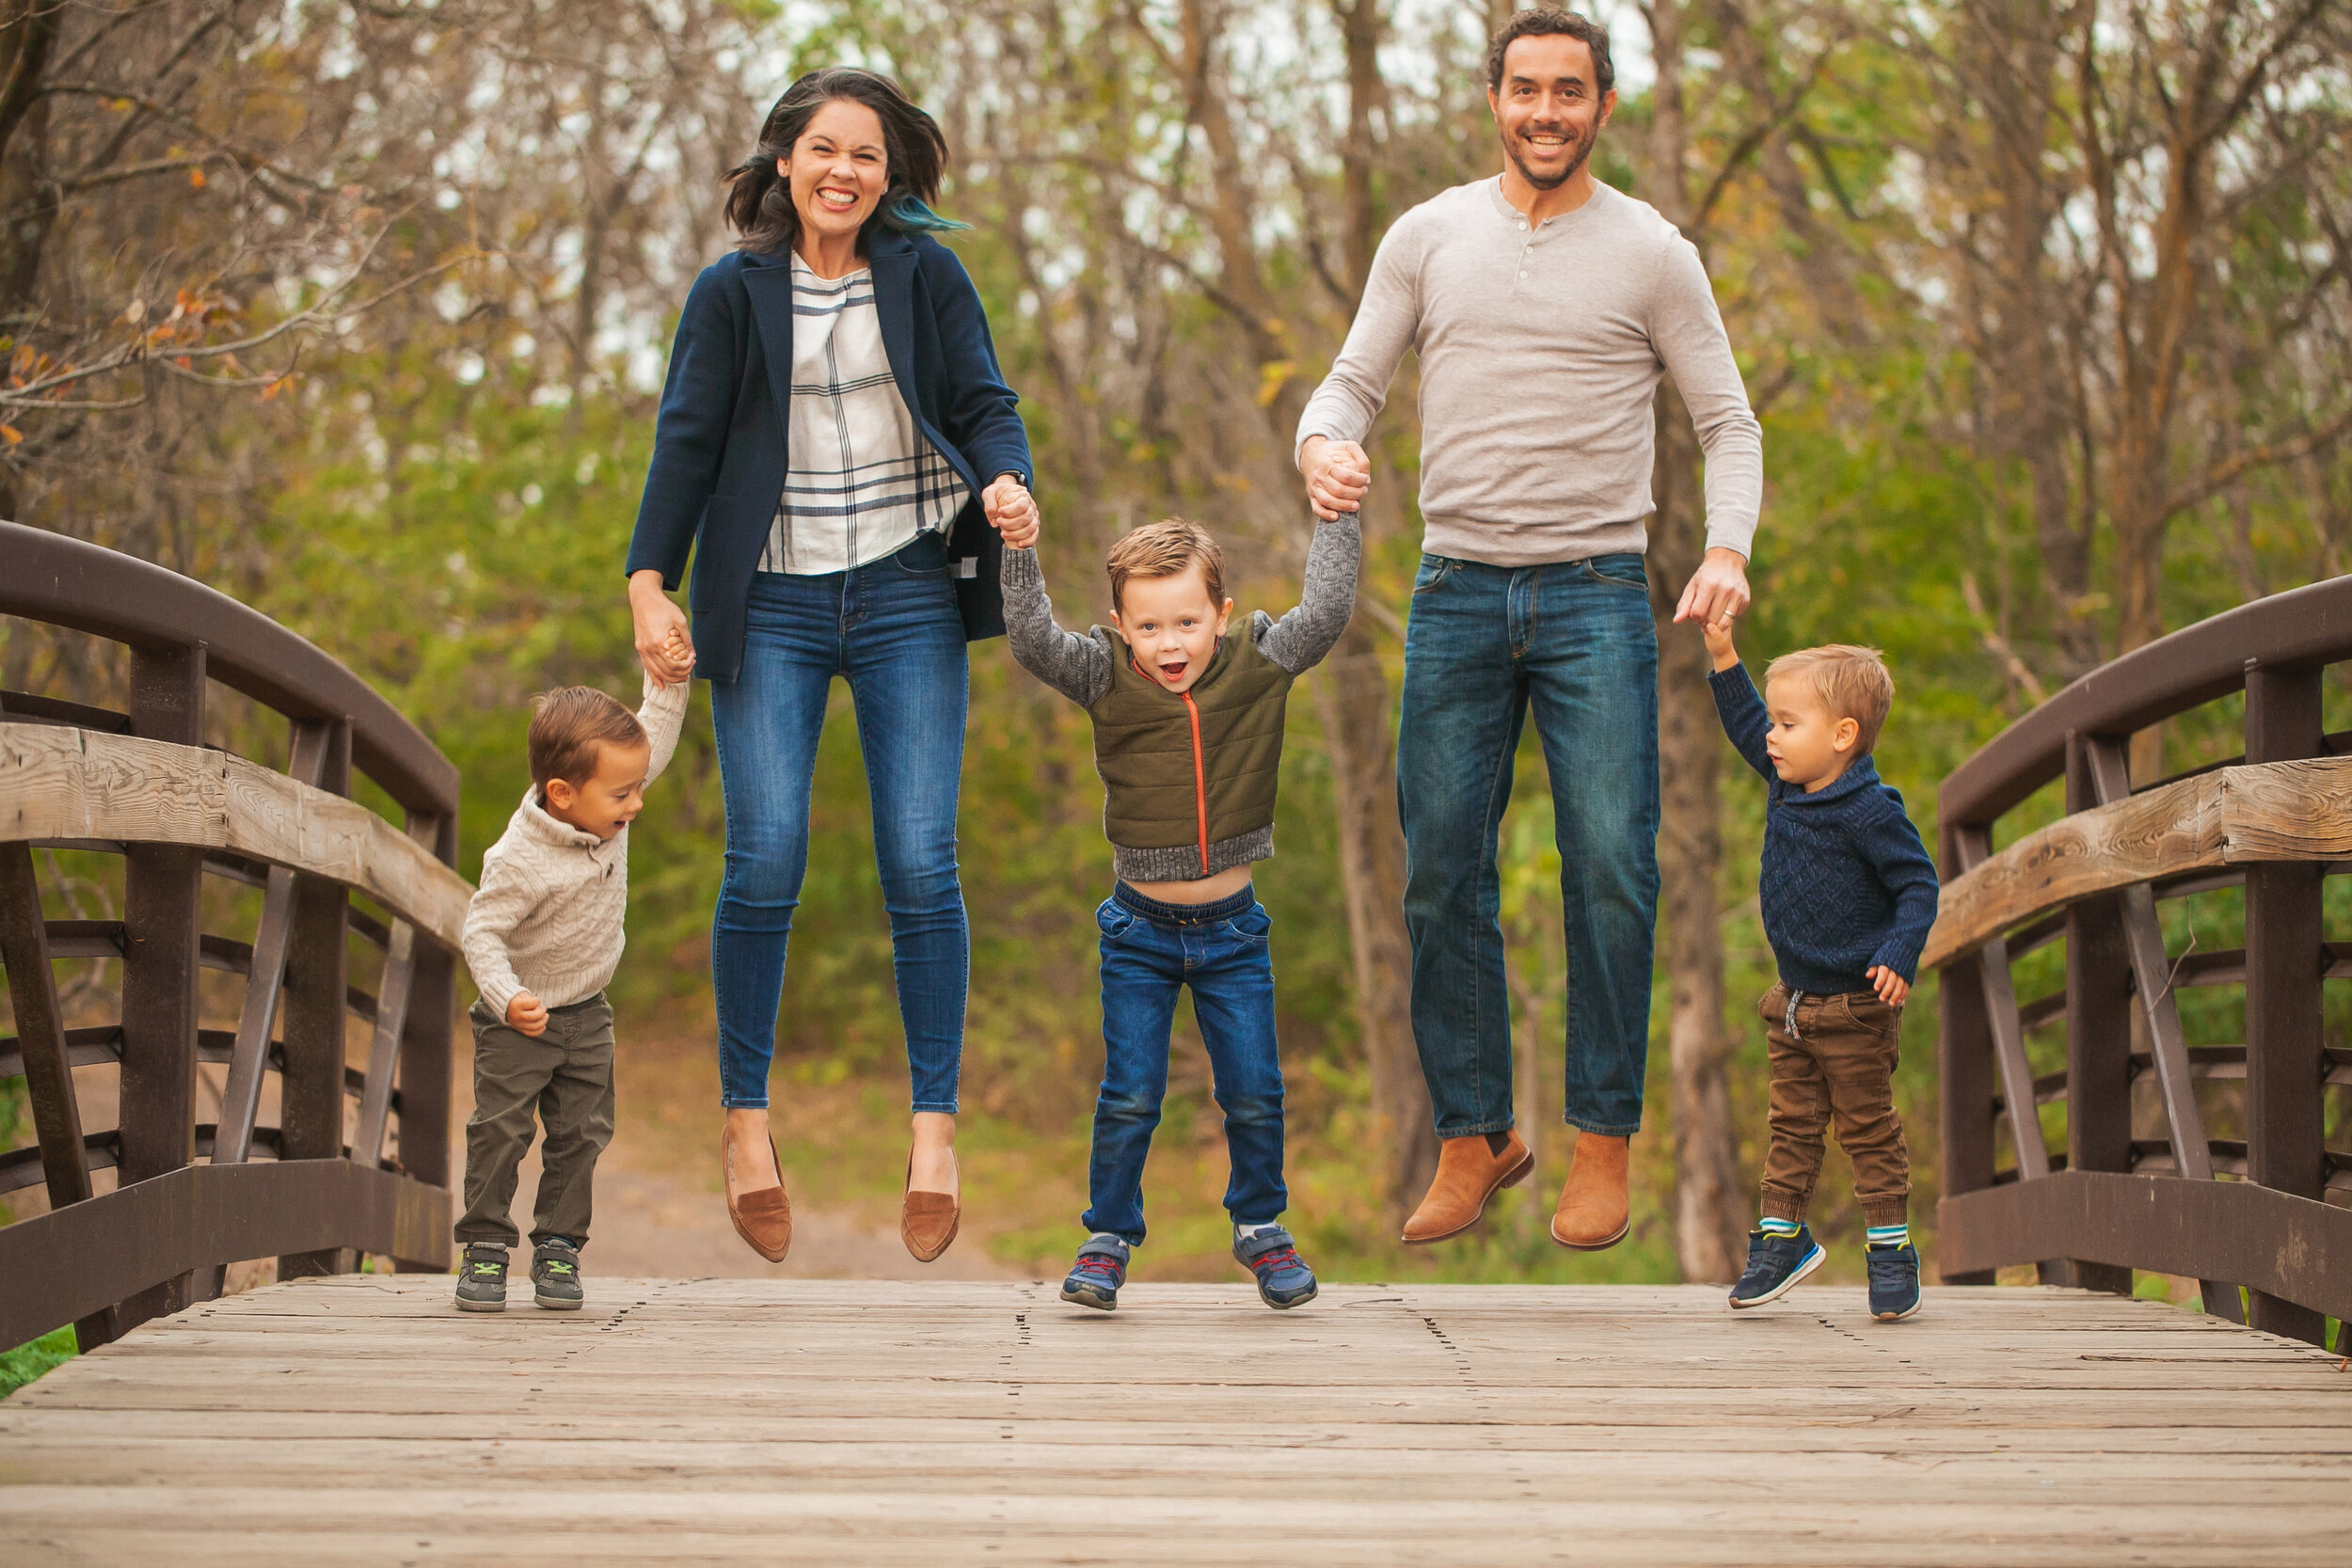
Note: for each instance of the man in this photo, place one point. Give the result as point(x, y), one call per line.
point(1545, 306)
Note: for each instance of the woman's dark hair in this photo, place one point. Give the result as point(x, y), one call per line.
point(759, 200)
point(1545, 23)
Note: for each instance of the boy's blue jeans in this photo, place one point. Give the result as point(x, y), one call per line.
point(1150, 951)
point(1575, 641)
point(892, 629)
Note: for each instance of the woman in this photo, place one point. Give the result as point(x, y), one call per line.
point(834, 446)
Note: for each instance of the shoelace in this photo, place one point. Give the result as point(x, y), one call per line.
point(1889, 1267)
point(1279, 1257)
point(1096, 1263)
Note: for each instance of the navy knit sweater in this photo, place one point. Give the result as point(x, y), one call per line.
point(1846, 883)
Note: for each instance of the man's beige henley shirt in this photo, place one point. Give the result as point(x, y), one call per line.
point(1541, 353)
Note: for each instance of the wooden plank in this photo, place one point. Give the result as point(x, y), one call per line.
point(2009, 1035)
point(68, 784)
point(2279, 811)
point(391, 1018)
point(712, 1421)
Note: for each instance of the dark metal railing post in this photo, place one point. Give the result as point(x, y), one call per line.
point(2285, 1062)
point(1965, 1067)
point(2098, 1031)
point(311, 1087)
point(162, 888)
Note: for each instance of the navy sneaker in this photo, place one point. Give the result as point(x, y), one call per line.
point(482, 1279)
point(1774, 1265)
point(555, 1276)
point(1894, 1282)
point(1100, 1271)
point(1283, 1279)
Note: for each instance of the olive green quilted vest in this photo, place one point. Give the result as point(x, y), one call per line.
point(1143, 745)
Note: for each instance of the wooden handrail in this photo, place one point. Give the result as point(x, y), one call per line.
point(68, 784)
point(2280, 811)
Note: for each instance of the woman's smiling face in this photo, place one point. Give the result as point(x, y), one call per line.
point(837, 169)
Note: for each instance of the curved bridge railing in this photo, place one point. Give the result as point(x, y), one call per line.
point(358, 1160)
point(2162, 1195)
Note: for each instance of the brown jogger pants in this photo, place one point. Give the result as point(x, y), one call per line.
point(565, 1075)
point(1837, 1065)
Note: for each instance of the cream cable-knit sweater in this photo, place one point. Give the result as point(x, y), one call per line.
point(547, 917)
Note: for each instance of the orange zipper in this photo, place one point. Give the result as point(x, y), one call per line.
point(1200, 771)
point(1199, 779)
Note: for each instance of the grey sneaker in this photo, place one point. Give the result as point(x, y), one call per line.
point(482, 1279)
point(555, 1276)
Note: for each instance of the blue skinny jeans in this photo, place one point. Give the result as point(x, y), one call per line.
point(1151, 951)
point(1573, 641)
point(892, 629)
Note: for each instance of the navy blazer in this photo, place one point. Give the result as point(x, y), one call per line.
point(718, 462)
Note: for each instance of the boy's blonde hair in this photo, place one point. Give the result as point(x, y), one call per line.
point(1167, 549)
point(568, 726)
point(1853, 683)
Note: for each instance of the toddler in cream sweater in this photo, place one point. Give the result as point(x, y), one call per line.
point(543, 937)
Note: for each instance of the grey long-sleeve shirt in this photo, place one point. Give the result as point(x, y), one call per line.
point(1080, 668)
point(1540, 354)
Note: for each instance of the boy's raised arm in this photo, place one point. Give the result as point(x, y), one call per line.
point(1300, 640)
point(663, 714)
point(1077, 667)
point(1745, 721)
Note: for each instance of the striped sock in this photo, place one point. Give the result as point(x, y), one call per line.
point(1887, 1235)
point(1771, 1227)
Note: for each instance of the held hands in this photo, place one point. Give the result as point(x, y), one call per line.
point(1717, 594)
point(665, 645)
point(1337, 473)
point(1011, 511)
point(527, 1013)
point(1892, 987)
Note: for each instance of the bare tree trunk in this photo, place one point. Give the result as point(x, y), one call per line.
point(1352, 699)
point(1710, 1202)
point(1710, 1223)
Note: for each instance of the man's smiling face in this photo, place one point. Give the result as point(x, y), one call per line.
point(1548, 108)
point(1172, 624)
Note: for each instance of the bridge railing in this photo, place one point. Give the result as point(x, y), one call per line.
point(143, 784)
point(2163, 1196)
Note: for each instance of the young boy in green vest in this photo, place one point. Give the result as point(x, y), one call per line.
point(1188, 740)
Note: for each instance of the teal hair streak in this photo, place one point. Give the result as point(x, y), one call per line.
point(908, 214)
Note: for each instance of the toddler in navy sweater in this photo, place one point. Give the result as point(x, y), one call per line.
point(1847, 893)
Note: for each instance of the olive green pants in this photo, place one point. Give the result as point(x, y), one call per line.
point(561, 1079)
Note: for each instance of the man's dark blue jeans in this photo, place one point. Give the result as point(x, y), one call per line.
point(1574, 641)
point(1150, 951)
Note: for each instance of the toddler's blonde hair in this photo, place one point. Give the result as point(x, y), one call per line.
point(1167, 549)
point(1853, 683)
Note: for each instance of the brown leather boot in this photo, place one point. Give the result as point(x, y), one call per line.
point(1595, 1211)
point(1468, 1175)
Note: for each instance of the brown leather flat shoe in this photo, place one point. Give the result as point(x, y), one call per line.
point(1595, 1210)
point(928, 1221)
point(763, 1217)
point(1468, 1176)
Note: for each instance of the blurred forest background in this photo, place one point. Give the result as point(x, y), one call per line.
point(358, 312)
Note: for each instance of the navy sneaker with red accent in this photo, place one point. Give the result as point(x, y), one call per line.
point(1284, 1281)
point(1100, 1271)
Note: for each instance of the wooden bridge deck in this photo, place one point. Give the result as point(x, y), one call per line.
point(360, 1420)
